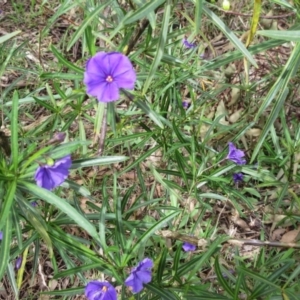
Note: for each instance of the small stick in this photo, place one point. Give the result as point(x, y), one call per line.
point(203, 242)
point(262, 17)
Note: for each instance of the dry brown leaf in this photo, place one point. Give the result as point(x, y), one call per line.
point(277, 234)
point(238, 221)
point(235, 116)
point(253, 132)
point(204, 128)
point(221, 111)
point(235, 95)
point(291, 236)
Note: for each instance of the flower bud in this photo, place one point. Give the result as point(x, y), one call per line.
point(226, 5)
point(18, 263)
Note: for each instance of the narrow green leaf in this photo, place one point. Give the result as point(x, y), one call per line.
point(63, 76)
point(8, 202)
point(8, 36)
point(151, 231)
point(156, 118)
point(82, 136)
point(11, 275)
point(90, 40)
point(97, 161)
point(265, 283)
point(286, 35)
point(87, 20)
point(119, 232)
point(162, 264)
point(221, 278)
point(195, 264)
point(198, 15)
point(14, 131)
point(161, 45)
point(142, 12)
point(163, 293)
point(291, 277)
point(254, 21)
point(65, 62)
point(230, 35)
point(140, 159)
point(5, 245)
point(41, 229)
point(61, 204)
point(63, 8)
point(279, 91)
point(240, 279)
point(65, 293)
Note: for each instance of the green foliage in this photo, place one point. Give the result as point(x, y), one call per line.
point(147, 172)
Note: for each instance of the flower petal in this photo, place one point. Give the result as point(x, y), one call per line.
point(236, 155)
point(188, 247)
point(43, 178)
point(96, 290)
point(50, 177)
point(135, 283)
point(120, 64)
point(144, 276)
point(98, 64)
point(146, 263)
point(126, 80)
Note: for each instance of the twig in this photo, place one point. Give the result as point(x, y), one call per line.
point(203, 242)
point(133, 41)
point(263, 17)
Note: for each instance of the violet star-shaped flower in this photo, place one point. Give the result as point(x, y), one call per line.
point(1, 235)
point(96, 290)
point(51, 176)
point(238, 177)
point(188, 247)
point(187, 44)
point(106, 74)
point(140, 275)
point(236, 155)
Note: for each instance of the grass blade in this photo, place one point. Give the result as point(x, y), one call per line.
point(61, 204)
point(161, 46)
point(279, 90)
point(143, 239)
point(229, 34)
point(80, 31)
point(143, 11)
point(14, 131)
point(5, 245)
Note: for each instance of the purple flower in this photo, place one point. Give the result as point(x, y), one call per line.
point(185, 104)
point(236, 155)
point(51, 176)
point(59, 136)
point(140, 275)
point(187, 44)
point(106, 74)
point(34, 204)
point(1, 235)
point(238, 177)
point(96, 290)
point(18, 263)
point(188, 247)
